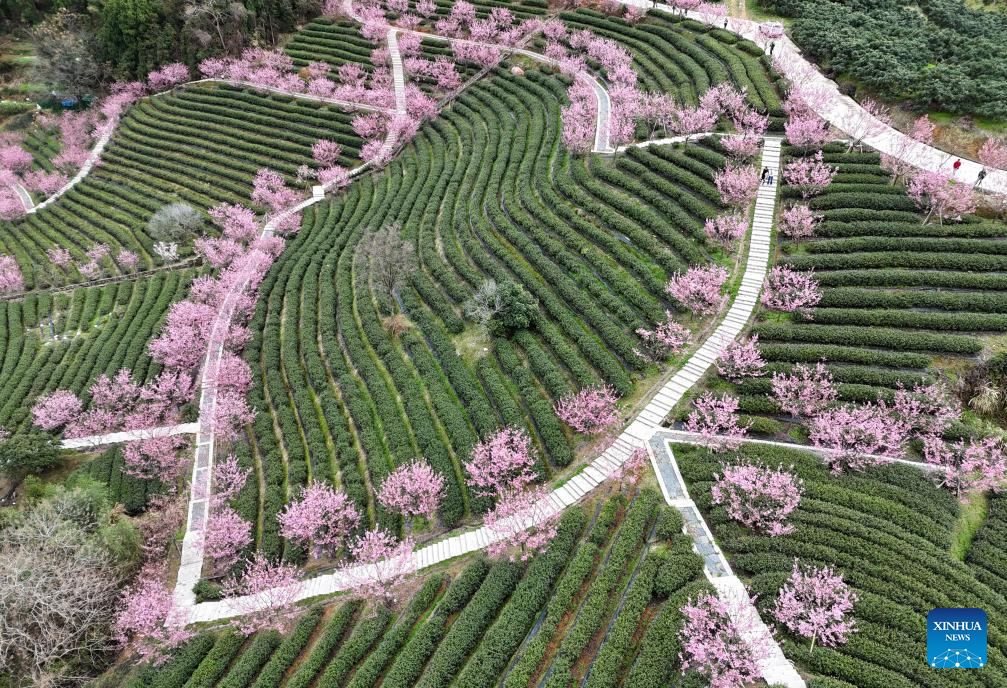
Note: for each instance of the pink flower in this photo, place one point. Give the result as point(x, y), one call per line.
point(804, 391)
point(856, 435)
point(699, 289)
point(789, 290)
point(726, 230)
point(320, 516)
point(741, 359)
point(413, 489)
point(15, 158)
point(11, 280)
point(666, 339)
point(758, 497)
point(799, 222)
point(975, 466)
point(712, 645)
point(814, 603)
point(56, 409)
point(168, 76)
point(936, 193)
point(501, 462)
point(225, 536)
point(127, 260)
point(738, 185)
point(148, 616)
point(715, 419)
point(810, 175)
point(590, 411)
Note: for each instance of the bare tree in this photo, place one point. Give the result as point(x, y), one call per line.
point(485, 303)
point(65, 50)
point(58, 588)
point(389, 258)
point(204, 16)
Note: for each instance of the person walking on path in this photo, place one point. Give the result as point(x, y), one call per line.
point(765, 171)
point(957, 165)
point(772, 47)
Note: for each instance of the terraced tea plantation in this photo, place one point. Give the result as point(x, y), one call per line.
point(897, 295)
point(201, 145)
point(65, 340)
point(485, 192)
point(890, 531)
point(598, 608)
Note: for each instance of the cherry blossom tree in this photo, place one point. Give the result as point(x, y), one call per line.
point(127, 260)
point(263, 596)
point(413, 489)
point(799, 222)
point(968, 467)
point(741, 359)
point(168, 76)
point(590, 411)
point(856, 435)
point(236, 222)
point(55, 410)
point(226, 535)
point(726, 230)
point(737, 184)
point(147, 616)
point(699, 289)
point(155, 458)
point(807, 131)
point(228, 479)
point(500, 462)
point(789, 290)
point(524, 520)
point(11, 207)
point(815, 603)
point(757, 496)
point(809, 174)
point(631, 470)
point(60, 257)
point(579, 118)
point(270, 190)
point(320, 516)
point(380, 565)
point(11, 280)
point(15, 158)
point(804, 392)
point(46, 183)
point(688, 121)
point(938, 194)
point(713, 646)
point(926, 410)
point(715, 420)
point(668, 338)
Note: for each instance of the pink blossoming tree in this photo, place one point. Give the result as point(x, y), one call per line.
point(726, 230)
point(871, 119)
point(757, 496)
point(11, 280)
point(809, 174)
point(699, 289)
point(804, 392)
point(168, 76)
point(968, 467)
point(667, 339)
point(741, 359)
point(713, 646)
point(380, 565)
point(940, 196)
point(993, 154)
point(500, 462)
point(413, 489)
point(263, 596)
point(590, 411)
point(737, 184)
point(226, 535)
point(926, 410)
point(55, 410)
point(789, 290)
point(320, 516)
point(799, 222)
point(521, 520)
point(715, 420)
point(856, 436)
point(148, 617)
point(815, 603)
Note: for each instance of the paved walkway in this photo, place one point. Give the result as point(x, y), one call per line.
point(93, 441)
point(22, 193)
point(92, 159)
point(636, 435)
point(398, 74)
point(839, 110)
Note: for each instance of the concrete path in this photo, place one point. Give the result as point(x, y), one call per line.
point(841, 111)
point(93, 441)
point(398, 74)
point(22, 193)
point(636, 435)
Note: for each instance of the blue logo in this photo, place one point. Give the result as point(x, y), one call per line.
point(956, 638)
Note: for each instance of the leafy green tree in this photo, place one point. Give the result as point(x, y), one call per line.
point(129, 35)
point(517, 310)
point(26, 453)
